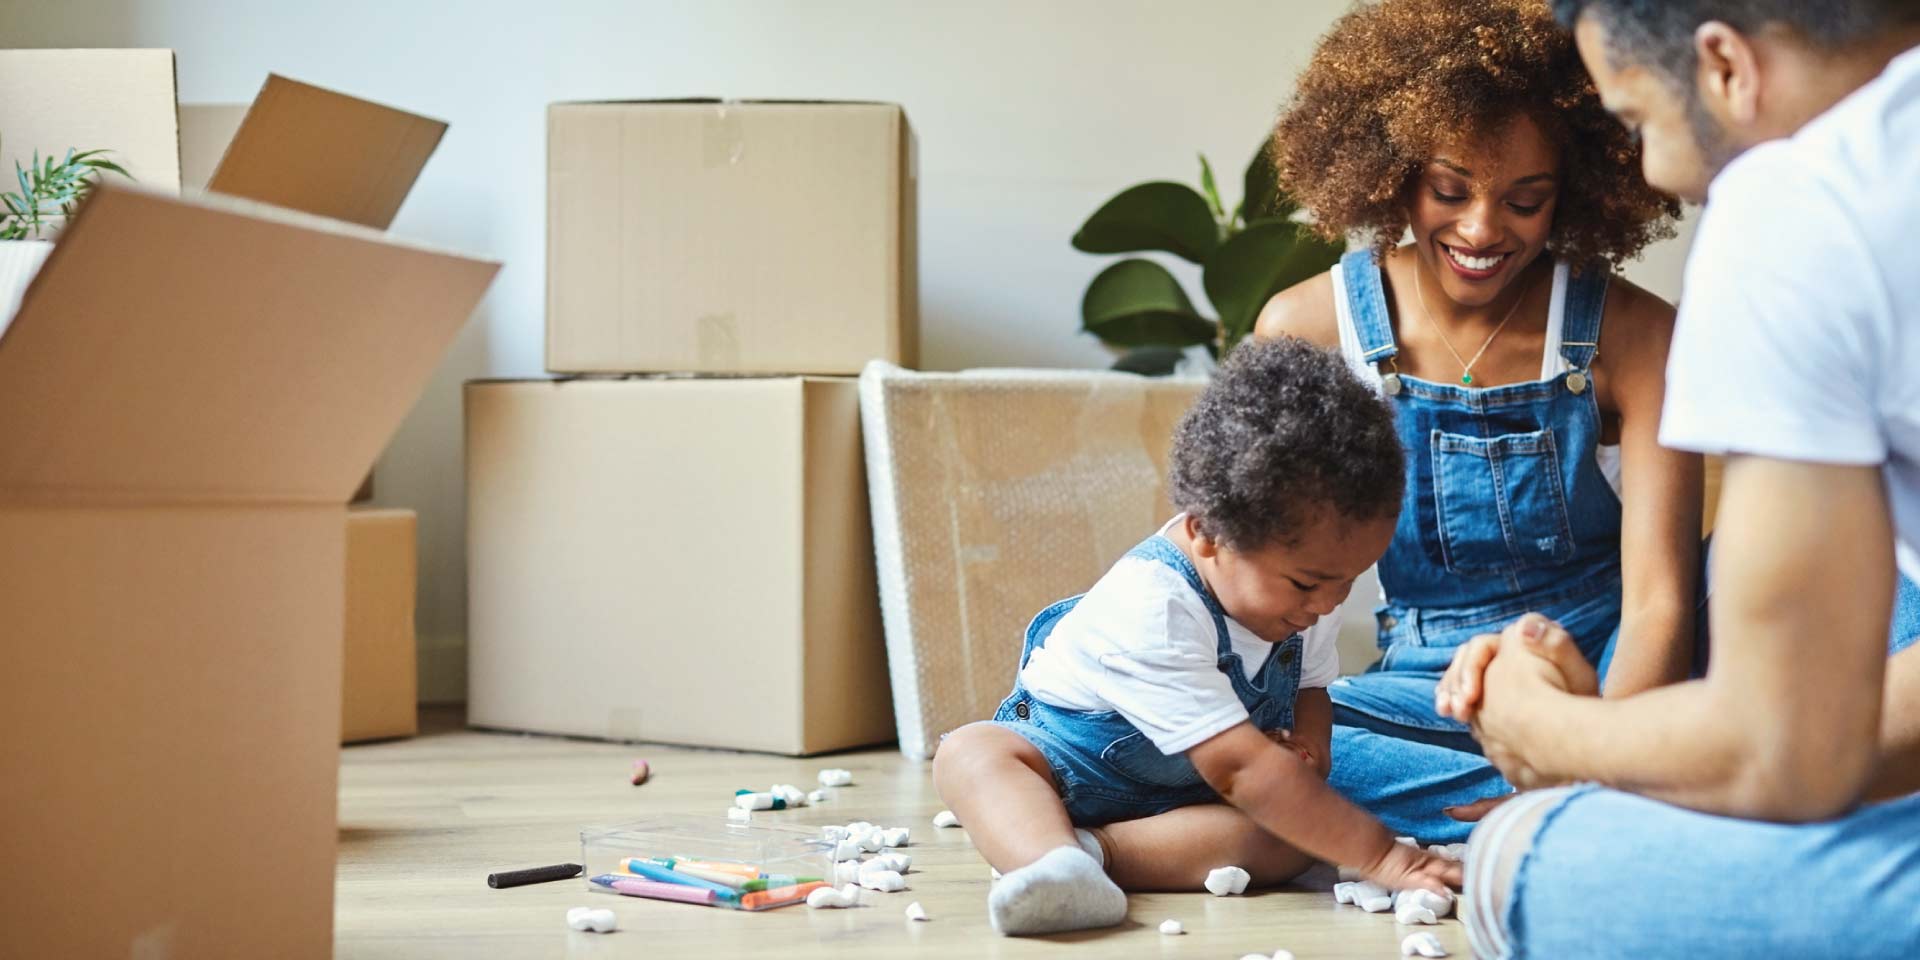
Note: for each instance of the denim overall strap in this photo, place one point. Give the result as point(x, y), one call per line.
point(1159, 549)
point(1586, 303)
point(1367, 303)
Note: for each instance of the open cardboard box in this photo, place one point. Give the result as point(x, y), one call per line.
point(189, 393)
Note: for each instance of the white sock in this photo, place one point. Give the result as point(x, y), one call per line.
point(1091, 844)
point(1064, 890)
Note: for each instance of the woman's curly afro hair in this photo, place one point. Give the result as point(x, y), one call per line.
point(1394, 79)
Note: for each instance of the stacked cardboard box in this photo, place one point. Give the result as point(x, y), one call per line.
point(309, 149)
point(188, 395)
point(684, 554)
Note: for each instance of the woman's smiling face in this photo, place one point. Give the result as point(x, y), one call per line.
point(1482, 209)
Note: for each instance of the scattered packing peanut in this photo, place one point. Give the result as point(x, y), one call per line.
point(833, 834)
point(597, 920)
point(1283, 955)
point(791, 795)
point(577, 918)
point(895, 837)
point(1371, 897)
point(885, 881)
point(738, 815)
point(836, 777)
point(827, 898)
point(817, 796)
point(871, 841)
point(1452, 851)
point(1174, 928)
point(1407, 842)
point(917, 912)
point(851, 891)
point(1227, 881)
point(1420, 905)
point(1422, 945)
point(1254, 956)
point(848, 849)
point(858, 827)
point(897, 862)
point(846, 871)
point(641, 771)
point(945, 818)
point(748, 800)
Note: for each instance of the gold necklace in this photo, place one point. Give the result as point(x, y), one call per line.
point(1466, 366)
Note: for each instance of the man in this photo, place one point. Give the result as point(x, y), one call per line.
point(1725, 816)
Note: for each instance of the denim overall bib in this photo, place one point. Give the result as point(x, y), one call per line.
point(1506, 510)
point(1106, 769)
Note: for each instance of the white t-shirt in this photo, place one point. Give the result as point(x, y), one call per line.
point(1799, 330)
point(1142, 643)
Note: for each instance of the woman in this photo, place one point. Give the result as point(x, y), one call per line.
point(1526, 377)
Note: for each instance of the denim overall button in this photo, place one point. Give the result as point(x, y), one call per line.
point(1577, 382)
point(1020, 709)
point(1286, 656)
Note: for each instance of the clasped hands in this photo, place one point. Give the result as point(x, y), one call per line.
point(1503, 685)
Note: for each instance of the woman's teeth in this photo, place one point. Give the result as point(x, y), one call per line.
point(1476, 264)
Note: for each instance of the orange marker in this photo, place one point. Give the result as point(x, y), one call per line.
point(784, 895)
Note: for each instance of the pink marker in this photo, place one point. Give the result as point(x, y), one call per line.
point(655, 890)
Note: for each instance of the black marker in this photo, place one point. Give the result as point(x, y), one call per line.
point(519, 878)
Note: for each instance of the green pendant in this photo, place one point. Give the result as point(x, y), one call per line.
point(1467, 379)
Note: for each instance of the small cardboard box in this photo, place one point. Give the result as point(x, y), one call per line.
point(730, 237)
point(379, 686)
point(190, 391)
point(674, 560)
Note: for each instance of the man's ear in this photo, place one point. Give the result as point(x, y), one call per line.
point(1728, 76)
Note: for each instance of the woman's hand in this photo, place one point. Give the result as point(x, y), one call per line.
point(1541, 662)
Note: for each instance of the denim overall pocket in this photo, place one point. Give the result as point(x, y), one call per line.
point(1137, 758)
point(1501, 503)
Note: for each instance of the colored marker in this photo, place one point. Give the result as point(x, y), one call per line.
point(731, 881)
point(780, 896)
point(775, 883)
point(665, 875)
point(653, 890)
point(520, 878)
point(747, 870)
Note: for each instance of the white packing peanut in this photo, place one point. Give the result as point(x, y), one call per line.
point(895, 861)
point(1359, 891)
point(1377, 904)
point(895, 837)
point(1420, 905)
point(833, 834)
point(995, 874)
point(848, 849)
point(827, 898)
point(1254, 956)
point(851, 891)
point(753, 801)
point(1422, 945)
point(836, 777)
point(917, 912)
point(858, 827)
point(738, 815)
point(871, 841)
point(945, 818)
point(885, 881)
point(1227, 881)
point(602, 921)
point(577, 918)
point(794, 796)
point(846, 871)
point(1407, 841)
point(817, 796)
point(1174, 928)
point(1283, 955)
point(1452, 851)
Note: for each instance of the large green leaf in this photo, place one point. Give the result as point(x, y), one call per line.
point(1137, 303)
point(1152, 216)
point(1262, 199)
point(1257, 263)
point(1150, 361)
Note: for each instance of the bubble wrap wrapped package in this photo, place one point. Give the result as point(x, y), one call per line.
point(994, 494)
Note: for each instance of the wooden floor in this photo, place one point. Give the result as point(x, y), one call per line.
point(423, 821)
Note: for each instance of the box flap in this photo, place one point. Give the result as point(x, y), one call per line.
point(321, 152)
point(208, 349)
point(122, 101)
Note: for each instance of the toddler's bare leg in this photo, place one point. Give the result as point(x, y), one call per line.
point(1176, 849)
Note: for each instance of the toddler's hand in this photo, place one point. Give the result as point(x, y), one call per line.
point(1405, 867)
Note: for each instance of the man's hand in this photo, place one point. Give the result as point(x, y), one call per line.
point(1541, 664)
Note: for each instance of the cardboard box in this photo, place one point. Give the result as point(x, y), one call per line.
point(122, 101)
point(730, 237)
point(681, 561)
point(996, 493)
point(380, 685)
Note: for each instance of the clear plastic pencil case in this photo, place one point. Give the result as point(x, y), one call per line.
point(706, 861)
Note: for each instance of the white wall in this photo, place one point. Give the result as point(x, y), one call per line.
point(1029, 114)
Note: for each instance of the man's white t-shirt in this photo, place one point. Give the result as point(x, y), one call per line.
point(1142, 643)
point(1799, 329)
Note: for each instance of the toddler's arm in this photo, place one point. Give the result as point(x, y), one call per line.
point(1276, 788)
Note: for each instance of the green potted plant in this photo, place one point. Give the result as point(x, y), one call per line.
point(1137, 306)
point(50, 190)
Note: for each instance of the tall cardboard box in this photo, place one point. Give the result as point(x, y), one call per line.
point(189, 393)
point(673, 560)
point(380, 685)
point(730, 237)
